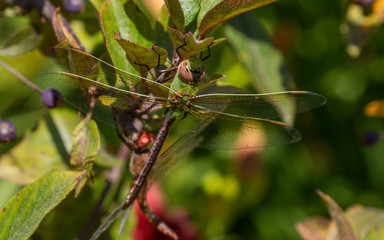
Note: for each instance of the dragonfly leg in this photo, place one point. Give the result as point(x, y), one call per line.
point(126, 141)
point(166, 74)
point(151, 215)
point(148, 109)
point(183, 45)
point(147, 67)
point(158, 58)
point(209, 53)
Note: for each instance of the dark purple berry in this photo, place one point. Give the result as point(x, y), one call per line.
point(369, 138)
point(51, 98)
point(74, 6)
point(7, 131)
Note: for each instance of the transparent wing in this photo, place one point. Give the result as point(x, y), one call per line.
point(269, 105)
point(74, 90)
point(170, 155)
point(228, 131)
point(115, 214)
point(84, 64)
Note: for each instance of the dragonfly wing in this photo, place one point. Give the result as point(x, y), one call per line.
point(268, 105)
point(235, 132)
point(84, 64)
point(173, 152)
point(74, 90)
point(116, 213)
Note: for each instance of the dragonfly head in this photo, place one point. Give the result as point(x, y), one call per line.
point(191, 70)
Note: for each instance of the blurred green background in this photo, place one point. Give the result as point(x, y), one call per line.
point(263, 193)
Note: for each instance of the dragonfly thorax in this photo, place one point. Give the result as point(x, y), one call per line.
point(181, 103)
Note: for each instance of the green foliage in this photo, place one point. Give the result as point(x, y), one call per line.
point(139, 54)
point(192, 45)
point(23, 213)
point(17, 36)
point(258, 194)
point(38, 153)
point(85, 147)
point(213, 13)
point(85, 143)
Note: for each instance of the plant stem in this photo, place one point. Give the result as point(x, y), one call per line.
point(21, 77)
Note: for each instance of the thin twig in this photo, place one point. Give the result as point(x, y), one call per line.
point(21, 77)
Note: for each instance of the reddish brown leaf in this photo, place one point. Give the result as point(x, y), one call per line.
point(314, 228)
point(344, 228)
point(225, 10)
point(63, 31)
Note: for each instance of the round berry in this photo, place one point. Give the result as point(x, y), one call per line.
point(370, 138)
point(51, 98)
point(7, 131)
point(74, 6)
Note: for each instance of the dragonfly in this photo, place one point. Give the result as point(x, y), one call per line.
point(167, 158)
point(171, 153)
point(237, 121)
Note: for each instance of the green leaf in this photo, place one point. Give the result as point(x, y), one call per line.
point(85, 143)
point(264, 63)
point(97, 4)
point(144, 8)
point(183, 12)
point(85, 147)
point(163, 17)
point(368, 222)
point(72, 212)
point(138, 27)
point(177, 14)
point(205, 7)
point(24, 212)
point(110, 12)
point(188, 45)
point(249, 42)
point(216, 12)
point(17, 36)
point(190, 9)
point(125, 18)
point(39, 152)
point(138, 54)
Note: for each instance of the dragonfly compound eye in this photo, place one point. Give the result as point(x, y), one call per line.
point(191, 75)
